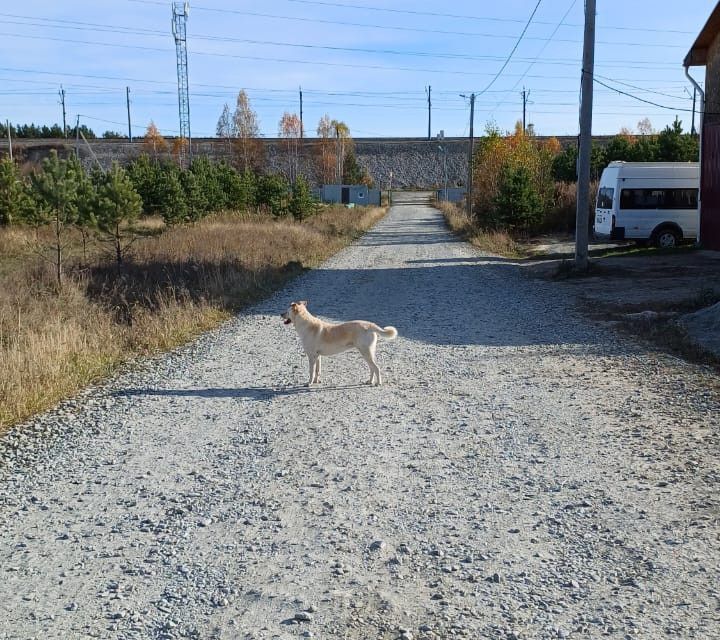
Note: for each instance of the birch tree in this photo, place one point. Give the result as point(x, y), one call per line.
point(290, 130)
point(247, 130)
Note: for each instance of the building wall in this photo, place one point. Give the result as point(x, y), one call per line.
point(712, 83)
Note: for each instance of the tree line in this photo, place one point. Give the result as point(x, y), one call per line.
point(33, 130)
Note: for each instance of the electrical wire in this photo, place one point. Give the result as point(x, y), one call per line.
point(469, 17)
point(473, 34)
point(510, 55)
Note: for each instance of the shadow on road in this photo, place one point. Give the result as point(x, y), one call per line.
point(253, 393)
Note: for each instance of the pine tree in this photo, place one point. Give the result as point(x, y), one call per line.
point(55, 190)
point(14, 199)
point(302, 205)
point(119, 205)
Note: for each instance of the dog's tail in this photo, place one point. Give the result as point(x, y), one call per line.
point(388, 332)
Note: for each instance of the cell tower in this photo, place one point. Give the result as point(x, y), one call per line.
point(181, 10)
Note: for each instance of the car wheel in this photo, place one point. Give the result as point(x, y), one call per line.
point(666, 238)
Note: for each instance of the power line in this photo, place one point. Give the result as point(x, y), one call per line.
point(469, 17)
point(213, 38)
point(530, 66)
point(510, 55)
point(277, 60)
point(155, 33)
point(473, 34)
point(634, 97)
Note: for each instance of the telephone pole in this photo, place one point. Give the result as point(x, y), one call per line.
point(469, 203)
point(429, 91)
point(586, 104)
point(338, 173)
point(525, 95)
point(77, 138)
point(301, 115)
point(127, 97)
point(7, 124)
point(61, 93)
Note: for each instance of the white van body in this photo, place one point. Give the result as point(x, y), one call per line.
point(648, 201)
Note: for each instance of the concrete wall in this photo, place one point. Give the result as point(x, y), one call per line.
point(413, 162)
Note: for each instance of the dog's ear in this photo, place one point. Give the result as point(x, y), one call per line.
point(303, 303)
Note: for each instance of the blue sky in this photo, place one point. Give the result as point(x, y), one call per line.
point(366, 62)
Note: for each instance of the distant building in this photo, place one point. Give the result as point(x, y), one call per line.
point(358, 194)
point(706, 53)
point(451, 194)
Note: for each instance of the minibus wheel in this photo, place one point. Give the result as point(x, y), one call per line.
point(666, 238)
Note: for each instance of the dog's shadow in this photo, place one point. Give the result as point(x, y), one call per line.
point(253, 393)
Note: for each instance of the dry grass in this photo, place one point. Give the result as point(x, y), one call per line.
point(497, 242)
point(176, 284)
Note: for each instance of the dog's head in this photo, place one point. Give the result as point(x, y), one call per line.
point(293, 310)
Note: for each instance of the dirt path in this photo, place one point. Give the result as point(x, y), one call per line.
point(521, 474)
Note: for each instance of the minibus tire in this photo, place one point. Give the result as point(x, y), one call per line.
point(666, 238)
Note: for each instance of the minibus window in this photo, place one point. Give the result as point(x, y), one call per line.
point(659, 199)
point(605, 198)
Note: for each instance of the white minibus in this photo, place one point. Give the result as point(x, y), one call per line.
point(648, 201)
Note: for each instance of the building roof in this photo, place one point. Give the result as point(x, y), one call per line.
point(697, 56)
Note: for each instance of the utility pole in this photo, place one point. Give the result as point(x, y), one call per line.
point(7, 124)
point(443, 150)
point(301, 115)
point(586, 104)
point(429, 91)
point(77, 138)
point(525, 95)
point(337, 154)
point(469, 196)
point(61, 93)
point(127, 97)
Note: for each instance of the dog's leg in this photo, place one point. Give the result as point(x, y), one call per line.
point(318, 369)
point(311, 360)
point(369, 354)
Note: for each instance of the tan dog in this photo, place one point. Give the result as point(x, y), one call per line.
point(320, 338)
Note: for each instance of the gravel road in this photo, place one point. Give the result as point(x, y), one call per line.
point(522, 473)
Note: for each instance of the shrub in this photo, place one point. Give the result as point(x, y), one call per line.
point(302, 205)
point(518, 204)
point(271, 193)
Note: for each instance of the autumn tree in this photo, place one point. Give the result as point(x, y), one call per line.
point(154, 142)
point(343, 144)
point(247, 129)
point(513, 178)
point(326, 159)
point(644, 127)
point(180, 148)
point(290, 130)
point(333, 144)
